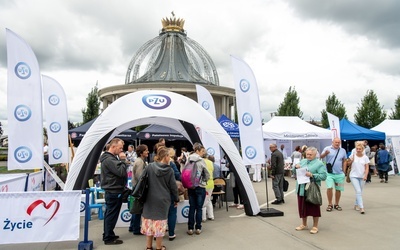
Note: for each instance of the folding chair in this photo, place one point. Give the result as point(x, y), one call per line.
point(220, 190)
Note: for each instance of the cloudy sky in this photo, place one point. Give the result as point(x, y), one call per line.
point(344, 47)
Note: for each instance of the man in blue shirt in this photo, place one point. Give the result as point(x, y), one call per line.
point(335, 158)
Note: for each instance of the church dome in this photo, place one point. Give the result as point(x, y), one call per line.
point(172, 57)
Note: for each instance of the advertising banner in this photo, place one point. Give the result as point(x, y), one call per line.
point(334, 125)
point(24, 106)
point(39, 216)
point(248, 107)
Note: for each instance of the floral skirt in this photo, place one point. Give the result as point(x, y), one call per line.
point(154, 228)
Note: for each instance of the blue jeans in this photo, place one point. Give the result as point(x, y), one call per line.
point(196, 201)
point(172, 214)
point(134, 227)
point(113, 207)
point(358, 184)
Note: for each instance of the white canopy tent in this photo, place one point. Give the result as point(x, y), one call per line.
point(390, 127)
point(159, 107)
point(392, 131)
point(292, 131)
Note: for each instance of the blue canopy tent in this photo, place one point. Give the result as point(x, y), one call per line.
point(230, 127)
point(351, 131)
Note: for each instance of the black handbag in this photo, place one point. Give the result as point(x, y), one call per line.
point(313, 194)
point(141, 188)
point(136, 207)
point(285, 185)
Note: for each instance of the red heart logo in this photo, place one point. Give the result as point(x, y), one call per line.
point(4, 188)
point(39, 202)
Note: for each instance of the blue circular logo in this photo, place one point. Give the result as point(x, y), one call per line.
point(22, 154)
point(57, 154)
point(250, 152)
point(205, 105)
point(55, 127)
point(82, 206)
point(126, 216)
point(244, 85)
point(156, 101)
point(22, 113)
point(54, 100)
point(210, 151)
point(185, 212)
point(247, 119)
point(228, 125)
point(22, 70)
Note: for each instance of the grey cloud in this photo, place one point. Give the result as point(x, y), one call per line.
point(376, 19)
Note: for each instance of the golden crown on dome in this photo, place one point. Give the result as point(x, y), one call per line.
point(172, 23)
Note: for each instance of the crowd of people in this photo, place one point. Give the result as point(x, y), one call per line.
point(164, 175)
point(332, 165)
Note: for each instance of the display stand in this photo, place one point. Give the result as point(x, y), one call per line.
point(268, 212)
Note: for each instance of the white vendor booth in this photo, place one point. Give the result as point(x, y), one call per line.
point(292, 131)
point(392, 131)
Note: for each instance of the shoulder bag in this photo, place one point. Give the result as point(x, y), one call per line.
point(313, 193)
point(142, 187)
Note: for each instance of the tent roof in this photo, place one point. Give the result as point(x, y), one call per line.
point(351, 131)
point(390, 127)
point(155, 132)
point(230, 127)
point(79, 132)
point(293, 128)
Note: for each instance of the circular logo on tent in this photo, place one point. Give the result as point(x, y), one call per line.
point(57, 154)
point(156, 101)
point(250, 152)
point(228, 125)
point(22, 113)
point(244, 85)
point(205, 105)
point(22, 70)
point(55, 127)
point(185, 212)
point(126, 216)
point(147, 135)
point(82, 207)
point(210, 151)
point(247, 119)
point(22, 154)
point(54, 100)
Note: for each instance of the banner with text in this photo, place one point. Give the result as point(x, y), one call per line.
point(248, 107)
point(56, 114)
point(205, 99)
point(24, 106)
point(40, 216)
point(334, 125)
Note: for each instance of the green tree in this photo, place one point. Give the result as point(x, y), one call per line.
point(370, 113)
point(333, 106)
point(290, 105)
point(395, 115)
point(92, 105)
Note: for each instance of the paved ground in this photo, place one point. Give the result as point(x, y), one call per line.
point(347, 229)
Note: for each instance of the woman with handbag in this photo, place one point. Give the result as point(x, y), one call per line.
point(316, 171)
point(358, 174)
point(161, 184)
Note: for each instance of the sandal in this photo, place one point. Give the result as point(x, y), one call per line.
point(301, 227)
point(149, 248)
point(329, 208)
point(337, 207)
point(162, 248)
point(314, 230)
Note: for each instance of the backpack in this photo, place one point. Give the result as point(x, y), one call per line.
point(190, 175)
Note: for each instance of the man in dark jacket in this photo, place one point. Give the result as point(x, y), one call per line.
point(113, 181)
point(277, 172)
